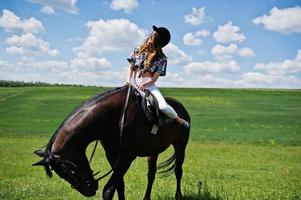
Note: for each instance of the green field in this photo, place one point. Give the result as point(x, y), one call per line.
point(245, 144)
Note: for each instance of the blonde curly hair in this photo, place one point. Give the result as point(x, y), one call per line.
point(152, 49)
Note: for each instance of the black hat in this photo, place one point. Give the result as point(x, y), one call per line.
point(164, 35)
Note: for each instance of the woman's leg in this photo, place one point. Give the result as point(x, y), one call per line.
point(165, 108)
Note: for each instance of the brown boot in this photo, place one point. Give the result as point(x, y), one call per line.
point(182, 122)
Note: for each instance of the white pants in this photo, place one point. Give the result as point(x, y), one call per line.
point(163, 106)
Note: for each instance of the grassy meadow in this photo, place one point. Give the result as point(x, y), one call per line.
point(244, 144)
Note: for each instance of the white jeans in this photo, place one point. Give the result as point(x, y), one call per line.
point(163, 106)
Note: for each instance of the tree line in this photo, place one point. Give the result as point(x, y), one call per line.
point(8, 83)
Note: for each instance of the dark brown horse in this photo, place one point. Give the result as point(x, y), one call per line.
point(99, 119)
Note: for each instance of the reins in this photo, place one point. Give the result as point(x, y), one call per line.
point(90, 160)
point(91, 157)
point(121, 133)
point(124, 110)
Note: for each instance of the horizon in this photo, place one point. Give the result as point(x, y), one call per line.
point(237, 44)
point(36, 84)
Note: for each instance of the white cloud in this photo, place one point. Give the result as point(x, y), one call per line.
point(285, 21)
point(110, 35)
point(211, 80)
point(175, 55)
point(275, 74)
point(246, 80)
point(193, 39)
point(47, 10)
point(51, 71)
point(298, 57)
point(126, 5)
point(226, 52)
point(55, 71)
point(3, 65)
point(228, 33)
point(29, 44)
point(223, 66)
point(104, 78)
point(75, 39)
point(85, 63)
point(200, 80)
point(13, 50)
point(64, 5)
point(43, 66)
point(276, 80)
point(202, 33)
point(246, 52)
point(285, 67)
point(196, 17)
point(222, 52)
point(12, 23)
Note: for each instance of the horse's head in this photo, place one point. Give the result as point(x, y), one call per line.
point(65, 151)
point(75, 170)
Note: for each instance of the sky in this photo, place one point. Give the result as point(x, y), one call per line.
point(224, 44)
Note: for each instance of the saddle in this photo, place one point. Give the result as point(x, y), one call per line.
point(150, 108)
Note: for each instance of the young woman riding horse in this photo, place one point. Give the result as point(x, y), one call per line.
point(150, 63)
point(99, 119)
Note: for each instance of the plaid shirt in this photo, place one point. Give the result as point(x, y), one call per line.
point(158, 64)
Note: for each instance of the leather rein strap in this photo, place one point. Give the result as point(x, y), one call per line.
point(95, 146)
point(124, 110)
point(121, 132)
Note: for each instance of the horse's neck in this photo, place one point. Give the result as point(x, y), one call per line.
point(89, 124)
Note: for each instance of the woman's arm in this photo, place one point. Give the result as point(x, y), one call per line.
point(131, 72)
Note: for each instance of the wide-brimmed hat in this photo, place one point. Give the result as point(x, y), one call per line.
point(164, 35)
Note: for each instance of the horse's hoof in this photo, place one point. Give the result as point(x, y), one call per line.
point(108, 193)
point(178, 196)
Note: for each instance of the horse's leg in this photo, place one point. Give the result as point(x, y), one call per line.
point(122, 165)
point(120, 187)
point(152, 168)
point(180, 155)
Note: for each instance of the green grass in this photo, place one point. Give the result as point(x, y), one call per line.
point(245, 144)
point(252, 116)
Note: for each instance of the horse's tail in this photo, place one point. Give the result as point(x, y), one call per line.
point(167, 167)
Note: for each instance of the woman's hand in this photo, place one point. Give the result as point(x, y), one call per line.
point(141, 87)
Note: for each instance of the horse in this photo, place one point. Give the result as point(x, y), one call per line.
point(99, 119)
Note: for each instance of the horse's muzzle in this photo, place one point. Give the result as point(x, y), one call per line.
point(88, 188)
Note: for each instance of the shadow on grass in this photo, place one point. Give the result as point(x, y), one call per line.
point(199, 196)
point(202, 194)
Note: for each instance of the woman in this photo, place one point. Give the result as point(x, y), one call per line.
point(150, 62)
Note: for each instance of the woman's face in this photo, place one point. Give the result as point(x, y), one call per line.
point(152, 37)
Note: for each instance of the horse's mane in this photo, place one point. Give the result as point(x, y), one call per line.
point(85, 104)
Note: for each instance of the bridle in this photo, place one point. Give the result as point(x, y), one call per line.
point(69, 169)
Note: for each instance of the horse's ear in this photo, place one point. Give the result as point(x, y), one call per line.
point(48, 171)
point(42, 162)
point(39, 153)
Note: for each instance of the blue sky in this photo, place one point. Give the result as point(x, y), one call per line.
point(234, 44)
